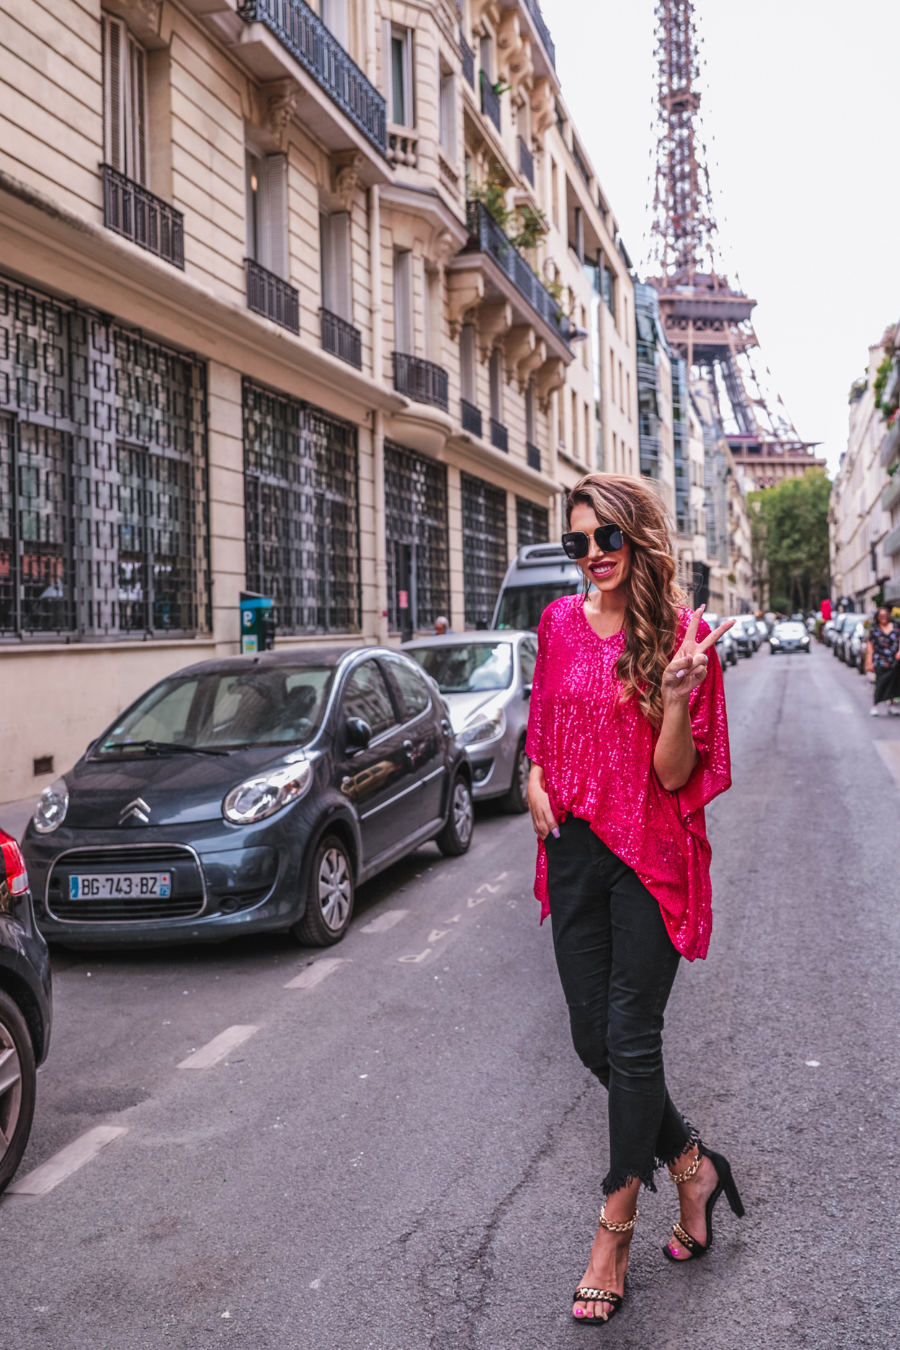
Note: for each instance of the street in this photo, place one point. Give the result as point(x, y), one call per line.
point(403, 1150)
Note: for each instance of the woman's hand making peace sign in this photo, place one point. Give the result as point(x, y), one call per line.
point(687, 669)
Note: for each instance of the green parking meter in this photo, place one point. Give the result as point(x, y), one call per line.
point(257, 623)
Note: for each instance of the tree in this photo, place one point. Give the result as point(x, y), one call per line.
point(790, 538)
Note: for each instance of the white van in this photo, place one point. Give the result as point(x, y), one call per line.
point(538, 575)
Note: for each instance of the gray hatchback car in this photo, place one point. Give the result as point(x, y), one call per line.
point(485, 679)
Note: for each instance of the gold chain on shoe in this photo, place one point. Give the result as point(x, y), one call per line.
point(688, 1172)
point(618, 1227)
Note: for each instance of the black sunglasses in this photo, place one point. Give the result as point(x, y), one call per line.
point(608, 538)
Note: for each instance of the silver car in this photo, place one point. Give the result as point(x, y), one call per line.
point(485, 679)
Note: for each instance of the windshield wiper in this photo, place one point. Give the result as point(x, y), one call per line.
point(163, 747)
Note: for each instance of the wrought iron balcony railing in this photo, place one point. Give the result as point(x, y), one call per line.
point(534, 10)
point(890, 446)
point(890, 494)
point(420, 380)
point(148, 221)
point(270, 296)
point(534, 456)
point(341, 339)
point(647, 375)
point(526, 162)
point(307, 39)
point(490, 101)
point(892, 543)
point(484, 230)
point(649, 452)
point(468, 59)
point(471, 417)
point(499, 435)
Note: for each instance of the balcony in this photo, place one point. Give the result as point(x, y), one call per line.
point(320, 54)
point(890, 446)
point(146, 220)
point(891, 544)
point(647, 375)
point(341, 338)
point(471, 417)
point(499, 436)
point(487, 236)
point(534, 10)
point(526, 162)
point(649, 451)
point(273, 298)
point(468, 59)
point(890, 494)
point(533, 456)
point(490, 102)
point(420, 380)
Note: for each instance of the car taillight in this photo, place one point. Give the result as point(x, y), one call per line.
point(14, 864)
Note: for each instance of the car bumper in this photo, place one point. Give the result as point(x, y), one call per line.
point(492, 766)
point(25, 973)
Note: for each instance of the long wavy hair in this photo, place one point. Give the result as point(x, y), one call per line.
point(654, 597)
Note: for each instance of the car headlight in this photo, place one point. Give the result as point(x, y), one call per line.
point(483, 727)
point(774, 642)
point(52, 806)
point(262, 796)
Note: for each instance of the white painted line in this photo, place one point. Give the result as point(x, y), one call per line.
point(436, 934)
point(66, 1161)
point(216, 1049)
point(890, 753)
point(315, 974)
point(385, 921)
point(414, 960)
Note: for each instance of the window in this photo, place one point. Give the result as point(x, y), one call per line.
point(587, 432)
point(628, 392)
point(554, 192)
point(336, 19)
point(366, 696)
point(267, 230)
point(484, 548)
point(447, 112)
point(621, 386)
point(403, 302)
point(401, 84)
point(495, 373)
point(485, 55)
point(532, 523)
point(467, 362)
point(530, 434)
point(586, 345)
point(124, 102)
point(334, 236)
point(528, 660)
point(418, 561)
point(414, 695)
point(575, 450)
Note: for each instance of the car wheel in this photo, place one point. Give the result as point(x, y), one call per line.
point(516, 800)
point(456, 836)
point(329, 902)
point(732, 657)
point(18, 1081)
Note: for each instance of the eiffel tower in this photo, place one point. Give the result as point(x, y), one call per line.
point(706, 319)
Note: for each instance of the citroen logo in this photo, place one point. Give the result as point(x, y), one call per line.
point(138, 809)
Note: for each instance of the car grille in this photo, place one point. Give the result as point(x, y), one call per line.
point(186, 901)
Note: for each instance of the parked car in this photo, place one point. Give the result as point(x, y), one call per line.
point(744, 635)
point(485, 680)
point(789, 636)
point(725, 645)
point(856, 655)
point(827, 631)
point(841, 642)
point(811, 623)
point(25, 1007)
point(763, 630)
point(538, 575)
point(249, 794)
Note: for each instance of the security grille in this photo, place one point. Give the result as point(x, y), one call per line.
point(532, 523)
point(301, 513)
point(418, 560)
point(103, 477)
point(484, 547)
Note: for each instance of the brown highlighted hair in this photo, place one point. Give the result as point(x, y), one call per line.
point(654, 597)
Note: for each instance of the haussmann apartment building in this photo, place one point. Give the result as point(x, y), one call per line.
point(259, 330)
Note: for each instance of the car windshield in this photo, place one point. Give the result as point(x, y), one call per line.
point(790, 630)
point(711, 619)
point(522, 606)
point(227, 710)
point(467, 668)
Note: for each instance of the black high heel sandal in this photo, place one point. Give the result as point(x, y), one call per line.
point(725, 1183)
point(587, 1295)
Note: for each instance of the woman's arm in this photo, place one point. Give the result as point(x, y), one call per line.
point(870, 656)
point(676, 754)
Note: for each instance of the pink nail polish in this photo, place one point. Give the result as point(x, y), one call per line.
point(555, 832)
point(579, 1312)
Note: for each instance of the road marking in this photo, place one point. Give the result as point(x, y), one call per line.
point(474, 900)
point(385, 921)
point(456, 918)
point(218, 1047)
point(890, 753)
point(414, 960)
point(436, 934)
point(66, 1161)
point(315, 974)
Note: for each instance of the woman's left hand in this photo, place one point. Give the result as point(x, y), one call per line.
point(687, 669)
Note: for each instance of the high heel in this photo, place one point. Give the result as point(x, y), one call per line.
point(585, 1294)
point(725, 1183)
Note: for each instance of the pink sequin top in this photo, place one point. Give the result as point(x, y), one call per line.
point(597, 755)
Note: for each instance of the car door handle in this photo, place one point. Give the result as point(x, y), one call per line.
point(445, 726)
point(408, 750)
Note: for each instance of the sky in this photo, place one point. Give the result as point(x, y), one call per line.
point(801, 116)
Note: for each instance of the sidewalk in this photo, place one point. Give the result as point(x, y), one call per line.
point(14, 816)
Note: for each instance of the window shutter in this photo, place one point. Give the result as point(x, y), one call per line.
point(276, 216)
point(496, 382)
point(326, 262)
point(137, 113)
point(113, 33)
point(467, 361)
point(387, 67)
point(342, 294)
point(403, 338)
point(529, 413)
point(335, 19)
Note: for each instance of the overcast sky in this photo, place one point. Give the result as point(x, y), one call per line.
point(801, 112)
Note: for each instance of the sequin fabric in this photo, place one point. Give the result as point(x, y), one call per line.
point(596, 751)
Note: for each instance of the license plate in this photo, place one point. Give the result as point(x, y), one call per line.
point(121, 885)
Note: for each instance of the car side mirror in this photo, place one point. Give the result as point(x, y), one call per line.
point(357, 733)
point(526, 690)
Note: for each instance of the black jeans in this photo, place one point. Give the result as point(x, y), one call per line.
point(617, 965)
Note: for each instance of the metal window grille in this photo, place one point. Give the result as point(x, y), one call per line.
point(138, 214)
point(484, 547)
point(533, 456)
point(103, 477)
point(415, 492)
point(471, 417)
point(526, 162)
point(490, 100)
point(499, 435)
point(341, 339)
point(420, 380)
point(301, 513)
point(468, 59)
point(532, 523)
point(272, 297)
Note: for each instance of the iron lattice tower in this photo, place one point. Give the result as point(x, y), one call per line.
point(707, 321)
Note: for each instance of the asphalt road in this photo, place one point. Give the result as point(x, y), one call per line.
point(406, 1154)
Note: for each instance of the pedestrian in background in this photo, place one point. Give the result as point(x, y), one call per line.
point(628, 741)
point(883, 662)
point(442, 626)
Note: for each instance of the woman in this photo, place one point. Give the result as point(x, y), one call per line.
point(882, 657)
point(628, 742)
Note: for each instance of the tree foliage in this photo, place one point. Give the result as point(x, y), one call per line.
point(790, 538)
